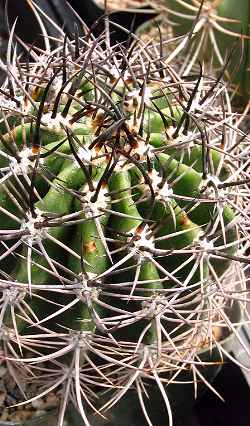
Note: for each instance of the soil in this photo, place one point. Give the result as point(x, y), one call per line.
point(10, 394)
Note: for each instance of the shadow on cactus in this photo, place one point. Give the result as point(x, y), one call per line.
point(124, 220)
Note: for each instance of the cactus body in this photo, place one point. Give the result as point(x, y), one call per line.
point(122, 191)
point(220, 33)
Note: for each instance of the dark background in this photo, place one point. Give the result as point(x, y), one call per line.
point(61, 12)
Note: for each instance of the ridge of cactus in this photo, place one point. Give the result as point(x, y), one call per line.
point(123, 218)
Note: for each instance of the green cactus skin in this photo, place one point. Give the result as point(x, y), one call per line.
point(123, 194)
point(222, 23)
point(231, 10)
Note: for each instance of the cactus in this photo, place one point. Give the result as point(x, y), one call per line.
point(221, 29)
point(215, 30)
point(123, 218)
point(130, 5)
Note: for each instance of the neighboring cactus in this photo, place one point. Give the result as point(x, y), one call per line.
point(219, 29)
point(222, 28)
point(123, 5)
point(123, 217)
point(215, 30)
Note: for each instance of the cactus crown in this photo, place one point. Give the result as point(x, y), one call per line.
point(123, 217)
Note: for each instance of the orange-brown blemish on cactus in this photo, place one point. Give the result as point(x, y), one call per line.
point(107, 157)
point(136, 140)
point(139, 229)
point(129, 80)
point(98, 148)
point(90, 247)
point(97, 122)
point(222, 144)
point(138, 232)
point(36, 149)
point(35, 94)
point(104, 184)
point(113, 80)
point(184, 219)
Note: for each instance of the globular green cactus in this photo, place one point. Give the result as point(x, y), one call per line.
point(214, 31)
point(217, 31)
point(123, 218)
